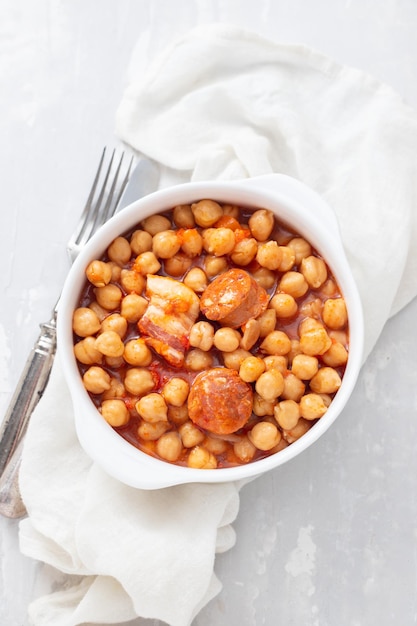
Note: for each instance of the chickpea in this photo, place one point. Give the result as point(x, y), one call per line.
point(156, 224)
point(133, 307)
point(196, 360)
point(262, 407)
point(311, 308)
point(287, 259)
point(261, 223)
point(274, 361)
point(177, 414)
point(335, 313)
point(340, 336)
point(284, 305)
point(98, 310)
point(132, 281)
point(295, 349)
point(109, 343)
point(116, 271)
point(190, 435)
point(293, 388)
point(251, 334)
point(115, 362)
point(327, 380)
point(116, 323)
point(108, 297)
point(214, 265)
point(309, 323)
point(139, 381)
point(251, 368)
point(200, 458)
point(152, 432)
point(86, 352)
point(264, 277)
point(137, 353)
point(98, 273)
point(329, 288)
point(169, 446)
point(196, 279)
point(336, 355)
point(305, 366)
point(233, 360)
point(206, 212)
point(312, 406)
point(165, 244)
point(218, 241)
point(244, 449)
point(244, 251)
point(293, 283)
point(315, 341)
point(175, 391)
point(96, 379)
point(314, 271)
point(116, 390)
point(152, 408)
point(269, 255)
point(267, 322)
point(287, 414)
point(327, 399)
point(301, 248)
point(300, 429)
point(140, 241)
point(270, 385)
point(147, 263)
point(264, 435)
point(277, 343)
point(191, 242)
point(85, 322)
point(178, 264)
point(231, 210)
point(227, 339)
point(202, 336)
point(183, 216)
point(119, 251)
point(115, 412)
point(215, 445)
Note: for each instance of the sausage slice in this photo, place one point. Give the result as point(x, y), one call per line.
point(233, 298)
point(220, 401)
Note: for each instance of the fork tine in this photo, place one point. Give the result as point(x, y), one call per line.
point(123, 185)
point(109, 209)
point(99, 209)
point(83, 221)
point(91, 222)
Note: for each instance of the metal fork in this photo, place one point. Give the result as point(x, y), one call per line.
point(103, 200)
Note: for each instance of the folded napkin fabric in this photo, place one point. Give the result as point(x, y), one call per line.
point(226, 104)
point(147, 553)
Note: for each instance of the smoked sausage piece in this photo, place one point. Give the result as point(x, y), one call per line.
point(233, 298)
point(220, 401)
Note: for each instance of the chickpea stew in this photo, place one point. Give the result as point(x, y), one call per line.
point(211, 335)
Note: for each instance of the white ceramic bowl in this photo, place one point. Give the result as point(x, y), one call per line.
point(294, 204)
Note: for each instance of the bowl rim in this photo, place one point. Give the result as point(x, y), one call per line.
point(276, 192)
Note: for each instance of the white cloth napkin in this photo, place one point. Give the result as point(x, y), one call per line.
point(220, 103)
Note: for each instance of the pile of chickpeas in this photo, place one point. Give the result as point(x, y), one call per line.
point(293, 355)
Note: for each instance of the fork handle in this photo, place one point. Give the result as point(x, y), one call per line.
point(28, 391)
point(11, 503)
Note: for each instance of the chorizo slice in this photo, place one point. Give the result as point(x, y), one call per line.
point(220, 401)
point(171, 312)
point(233, 298)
